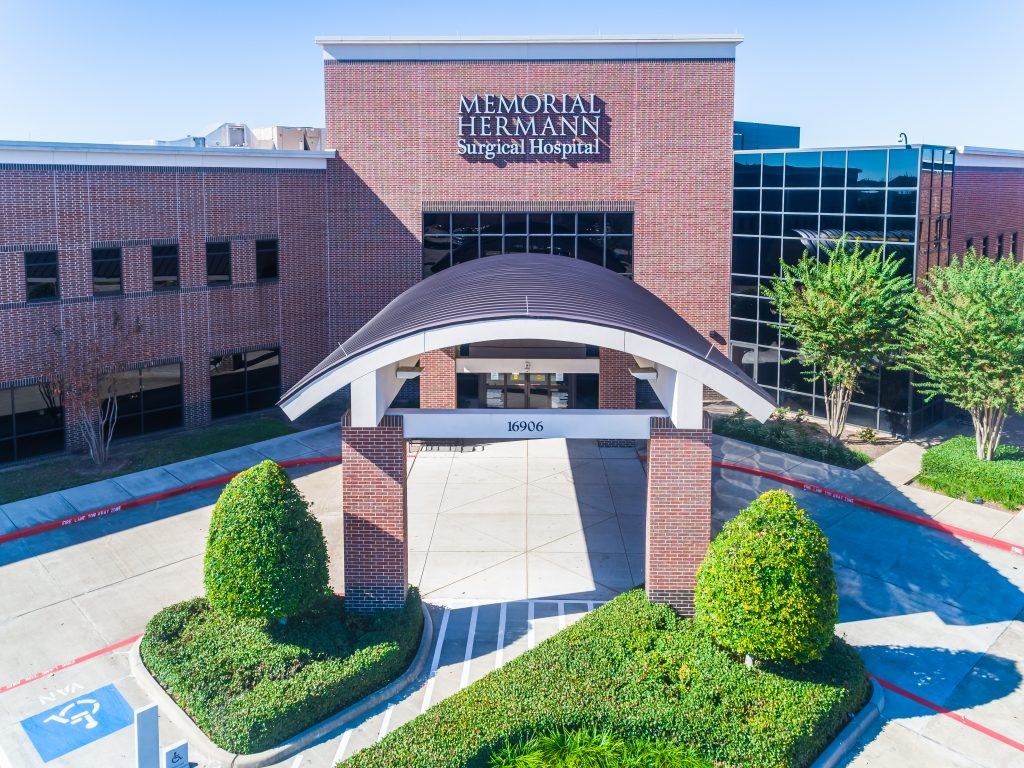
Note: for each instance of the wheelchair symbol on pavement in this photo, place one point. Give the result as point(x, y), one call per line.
point(84, 709)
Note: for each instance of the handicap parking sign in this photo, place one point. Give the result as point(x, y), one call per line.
point(79, 721)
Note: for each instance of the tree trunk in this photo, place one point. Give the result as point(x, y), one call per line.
point(988, 430)
point(837, 406)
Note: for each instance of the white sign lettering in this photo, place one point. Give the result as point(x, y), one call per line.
point(559, 126)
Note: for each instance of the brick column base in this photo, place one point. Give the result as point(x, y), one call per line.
point(678, 512)
point(375, 521)
point(437, 382)
point(616, 388)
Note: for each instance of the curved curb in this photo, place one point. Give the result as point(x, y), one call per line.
point(843, 744)
point(300, 741)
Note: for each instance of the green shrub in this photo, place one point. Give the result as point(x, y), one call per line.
point(639, 672)
point(594, 749)
point(953, 468)
point(796, 437)
point(266, 556)
point(250, 685)
point(766, 587)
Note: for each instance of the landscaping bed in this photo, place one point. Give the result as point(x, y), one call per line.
point(250, 684)
point(791, 434)
point(953, 468)
point(638, 672)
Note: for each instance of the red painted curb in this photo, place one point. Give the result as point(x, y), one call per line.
point(947, 712)
point(874, 506)
point(92, 514)
point(65, 665)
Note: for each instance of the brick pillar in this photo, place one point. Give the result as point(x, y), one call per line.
point(375, 521)
point(437, 382)
point(678, 512)
point(616, 387)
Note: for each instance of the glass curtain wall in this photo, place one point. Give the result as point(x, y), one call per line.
point(785, 203)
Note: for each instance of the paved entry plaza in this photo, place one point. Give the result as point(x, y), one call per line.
point(509, 543)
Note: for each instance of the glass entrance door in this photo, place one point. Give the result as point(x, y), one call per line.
point(534, 390)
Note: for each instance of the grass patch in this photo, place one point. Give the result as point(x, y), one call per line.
point(635, 670)
point(250, 685)
point(594, 749)
point(952, 467)
point(797, 437)
point(46, 475)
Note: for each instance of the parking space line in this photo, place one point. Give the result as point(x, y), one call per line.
point(5, 761)
point(297, 762)
point(464, 681)
point(529, 625)
point(561, 615)
point(342, 746)
point(429, 690)
point(499, 654)
point(386, 722)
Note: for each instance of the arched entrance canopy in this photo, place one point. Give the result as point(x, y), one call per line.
point(528, 296)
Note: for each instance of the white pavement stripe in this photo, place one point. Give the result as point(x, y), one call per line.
point(561, 615)
point(590, 605)
point(5, 761)
point(499, 654)
point(429, 690)
point(468, 658)
point(386, 722)
point(529, 625)
point(297, 762)
point(342, 746)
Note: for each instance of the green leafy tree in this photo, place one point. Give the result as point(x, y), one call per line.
point(266, 556)
point(767, 588)
point(966, 339)
point(847, 312)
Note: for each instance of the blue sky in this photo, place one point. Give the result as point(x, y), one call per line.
point(846, 72)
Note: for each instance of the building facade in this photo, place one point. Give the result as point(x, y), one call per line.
point(924, 204)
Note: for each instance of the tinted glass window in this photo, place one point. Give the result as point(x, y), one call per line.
point(165, 267)
point(771, 175)
point(865, 202)
point(747, 171)
point(802, 201)
point(148, 399)
point(244, 381)
point(266, 260)
point(31, 421)
point(866, 168)
point(832, 200)
point(218, 263)
point(803, 169)
point(903, 203)
point(903, 167)
point(106, 270)
point(41, 276)
point(833, 169)
point(746, 200)
point(771, 200)
point(744, 255)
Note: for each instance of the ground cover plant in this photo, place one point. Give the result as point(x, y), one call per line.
point(798, 437)
point(593, 749)
point(953, 468)
point(250, 684)
point(636, 671)
point(45, 475)
point(270, 651)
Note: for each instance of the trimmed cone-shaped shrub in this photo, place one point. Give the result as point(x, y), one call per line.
point(766, 587)
point(266, 557)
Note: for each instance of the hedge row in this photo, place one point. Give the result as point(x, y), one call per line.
point(953, 468)
point(636, 670)
point(797, 438)
point(250, 685)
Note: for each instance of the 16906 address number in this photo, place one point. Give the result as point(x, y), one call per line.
point(526, 426)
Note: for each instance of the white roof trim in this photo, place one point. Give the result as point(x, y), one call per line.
point(529, 48)
point(60, 153)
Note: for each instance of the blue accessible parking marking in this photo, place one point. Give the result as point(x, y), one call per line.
point(80, 721)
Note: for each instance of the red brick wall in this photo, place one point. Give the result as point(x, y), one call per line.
point(988, 202)
point(616, 387)
point(678, 512)
point(395, 126)
point(437, 382)
point(375, 520)
point(73, 208)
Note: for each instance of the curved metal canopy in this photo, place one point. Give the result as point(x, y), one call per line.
point(528, 296)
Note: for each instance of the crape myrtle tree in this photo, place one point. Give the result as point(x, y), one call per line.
point(966, 338)
point(846, 311)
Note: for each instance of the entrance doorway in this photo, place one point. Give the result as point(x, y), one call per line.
point(527, 390)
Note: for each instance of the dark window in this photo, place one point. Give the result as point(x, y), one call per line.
point(865, 201)
point(1014, 245)
point(969, 244)
point(746, 200)
point(605, 239)
point(106, 270)
point(41, 276)
point(744, 255)
point(803, 201)
point(747, 170)
point(165, 267)
point(903, 167)
point(149, 399)
point(833, 169)
point(984, 246)
point(31, 422)
point(266, 260)
point(866, 168)
point(218, 263)
point(803, 169)
point(903, 203)
point(772, 174)
point(999, 245)
point(244, 381)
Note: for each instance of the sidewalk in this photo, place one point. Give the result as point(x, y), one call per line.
point(321, 441)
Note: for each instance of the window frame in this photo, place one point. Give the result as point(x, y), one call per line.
point(108, 259)
point(230, 262)
point(153, 257)
point(263, 250)
point(56, 278)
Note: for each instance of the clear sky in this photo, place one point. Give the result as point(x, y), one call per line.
point(846, 72)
